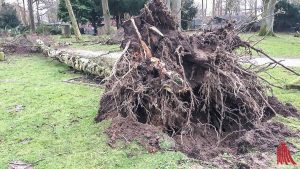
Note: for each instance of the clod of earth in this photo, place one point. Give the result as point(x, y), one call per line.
point(192, 88)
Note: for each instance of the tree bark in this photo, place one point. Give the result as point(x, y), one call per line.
point(24, 14)
point(1, 2)
point(73, 20)
point(31, 16)
point(176, 11)
point(100, 66)
point(214, 8)
point(266, 28)
point(255, 8)
point(37, 2)
point(106, 15)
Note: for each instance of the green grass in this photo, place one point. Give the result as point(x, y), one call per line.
point(282, 77)
point(56, 127)
point(288, 96)
point(85, 45)
point(282, 45)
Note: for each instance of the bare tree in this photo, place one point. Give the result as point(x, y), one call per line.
point(31, 16)
point(37, 3)
point(214, 8)
point(255, 8)
point(206, 8)
point(24, 13)
point(73, 20)
point(106, 15)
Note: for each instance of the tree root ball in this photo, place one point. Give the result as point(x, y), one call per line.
point(191, 87)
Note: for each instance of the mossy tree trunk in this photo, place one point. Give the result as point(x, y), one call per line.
point(266, 28)
point(73, 20)
point(31, 15)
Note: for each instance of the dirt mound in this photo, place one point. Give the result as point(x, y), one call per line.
point(192, 88)
point(23, 44)
point(285, 110)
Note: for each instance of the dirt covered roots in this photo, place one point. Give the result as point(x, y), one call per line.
point(192, 88)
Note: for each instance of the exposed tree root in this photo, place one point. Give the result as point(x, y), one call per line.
point(193, 88)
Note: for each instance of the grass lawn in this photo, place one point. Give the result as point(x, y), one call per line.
point(284, 77)
point(86, 45)
point(56, 127)
point(282, 45)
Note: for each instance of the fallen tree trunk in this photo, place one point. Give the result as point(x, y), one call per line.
point(100, 65)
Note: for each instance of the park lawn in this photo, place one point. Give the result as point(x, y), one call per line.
point(87, 45)
point(283, 77)
point(56, 127)
point(281, 46)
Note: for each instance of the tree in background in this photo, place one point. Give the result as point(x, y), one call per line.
point(188, 12)
point(73, 20)
point(8, 17)
point(84, 10)
point(266, 28)
point(176, 11)
point(120, 7)
point(106, 15)
point(290, 19)
point(31, 16)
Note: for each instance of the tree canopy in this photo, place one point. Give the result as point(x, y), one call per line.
point(8, 16)
point(91, 10)
point(290, 19)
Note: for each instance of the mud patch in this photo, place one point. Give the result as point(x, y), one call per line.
point(286, 110)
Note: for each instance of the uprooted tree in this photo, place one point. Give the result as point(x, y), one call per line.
point(183, 85)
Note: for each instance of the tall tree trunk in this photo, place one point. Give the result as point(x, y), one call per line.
point(266, 28)
point(24, 14)
point(1, 2)
point(31, 16)
point(214, 8)
point(206, 8)
point(255, 8)
point(106, 15)
point(202, 10)
point(221, 8)
point(245, 7)
point(176, 11)
point(37, 2)
point(73, 20)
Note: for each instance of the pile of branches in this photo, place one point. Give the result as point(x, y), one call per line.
point(20, 44)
